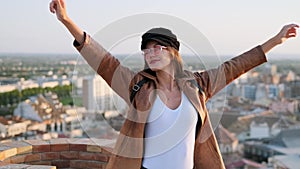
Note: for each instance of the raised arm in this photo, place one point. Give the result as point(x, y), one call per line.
point(285, 33)
point(58, 7)
point(108, 67)
point(214, 80)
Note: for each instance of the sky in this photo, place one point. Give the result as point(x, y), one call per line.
point(231, 26)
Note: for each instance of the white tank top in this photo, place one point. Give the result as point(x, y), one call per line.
point(170, 136)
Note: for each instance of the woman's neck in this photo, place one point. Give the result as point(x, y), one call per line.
point(166, 81)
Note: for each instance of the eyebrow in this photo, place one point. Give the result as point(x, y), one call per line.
point(155, 44)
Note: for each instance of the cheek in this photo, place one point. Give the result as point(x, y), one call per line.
point(146, 59)
point(168, 58)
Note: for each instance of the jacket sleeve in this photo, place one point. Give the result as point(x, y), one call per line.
point(214, 80)
point(108, 67)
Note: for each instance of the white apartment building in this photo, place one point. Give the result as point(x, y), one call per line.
point(42, 82)
point(96, 94)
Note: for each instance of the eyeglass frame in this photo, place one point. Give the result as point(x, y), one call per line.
point(156, 50)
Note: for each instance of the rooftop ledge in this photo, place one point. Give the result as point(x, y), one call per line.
point(63, 153)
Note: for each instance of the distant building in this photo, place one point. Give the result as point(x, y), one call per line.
point(285, 106)
point(249, 91)
point(293, 89)
point(273, 91)
point(27, 111)
point(13, 126)
point(96, 94)
point(235, 90)
point(71, 123)
point(259, 130)
point(270, 69)
point(291, 76)
point(287, 142)
point(256, 125)
point(285, 161)
point(42, 82)
point(260, 92)
point(228, 143)
point(7, 88)
point(281, 125)
point(45, 115)
point(52, 81)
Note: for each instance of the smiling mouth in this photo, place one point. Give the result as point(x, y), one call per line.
point(153, 61)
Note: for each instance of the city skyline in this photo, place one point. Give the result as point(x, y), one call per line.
point(230, 26)
point(262, 105)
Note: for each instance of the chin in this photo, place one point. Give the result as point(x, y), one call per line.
point(155, 69)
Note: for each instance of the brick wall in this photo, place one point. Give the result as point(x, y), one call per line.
point(63, 153)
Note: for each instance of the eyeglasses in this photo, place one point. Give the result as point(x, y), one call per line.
point(156, 50)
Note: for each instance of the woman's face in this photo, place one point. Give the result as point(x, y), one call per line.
point(157, 57)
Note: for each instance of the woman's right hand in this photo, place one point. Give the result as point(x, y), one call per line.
point(58, 7)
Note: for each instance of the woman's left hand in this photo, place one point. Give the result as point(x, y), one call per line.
point(287, 32)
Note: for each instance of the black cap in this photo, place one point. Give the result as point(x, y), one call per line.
point(163, 36)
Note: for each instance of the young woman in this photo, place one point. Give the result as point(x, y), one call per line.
point(167, 125)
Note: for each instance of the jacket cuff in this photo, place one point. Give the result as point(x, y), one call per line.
point(78, 45)
point(262, 53)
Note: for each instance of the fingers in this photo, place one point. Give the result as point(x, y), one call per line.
point(59, 3)
point(62, 3)
point(291, 26)
point(292, 31)
point(53, 6)
point(289, 31)
point(295, 25)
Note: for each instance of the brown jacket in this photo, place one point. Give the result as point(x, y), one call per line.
point(128, 151)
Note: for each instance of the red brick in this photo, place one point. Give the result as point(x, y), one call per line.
point(32, 157)
point(40, 163)
point(59, 147)
point(41, 148)
point(94, 165)
point(8, 160)
point(78, 147)
point(86, 164)
point(39, 145)
point(61, 163)
point(18, 159)
point(50, 156)
point(3, 163)
point(69, 155)
point(92, 156)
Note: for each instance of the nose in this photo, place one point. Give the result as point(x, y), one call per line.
point(150, 55)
